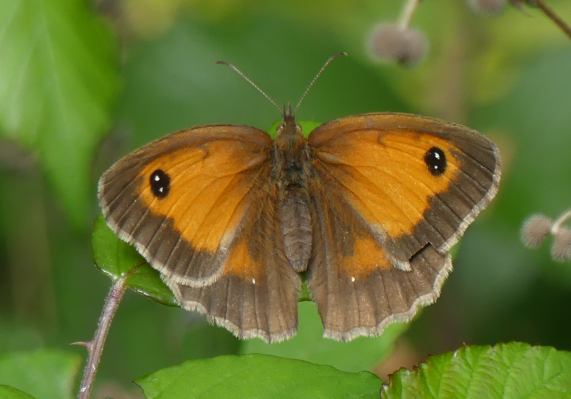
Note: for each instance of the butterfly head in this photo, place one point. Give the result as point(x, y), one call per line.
point(287, 112)
point(289, 133)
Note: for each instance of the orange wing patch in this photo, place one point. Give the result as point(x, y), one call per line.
point(367, 257)
point(220, 177)
point(385, 177)
point(241, 264)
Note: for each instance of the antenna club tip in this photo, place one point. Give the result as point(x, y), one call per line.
point(220, 62)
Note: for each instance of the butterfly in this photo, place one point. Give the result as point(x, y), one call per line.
point(366, 209)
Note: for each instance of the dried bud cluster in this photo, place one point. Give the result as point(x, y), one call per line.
point(537, 227)
point(392, 42)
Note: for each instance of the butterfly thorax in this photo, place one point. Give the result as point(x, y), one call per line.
point(290, 154)
point(290, 171)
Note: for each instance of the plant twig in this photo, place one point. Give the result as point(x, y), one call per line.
point(407, 13)
point(95, 346)
point(549, 13)
point(560, 220)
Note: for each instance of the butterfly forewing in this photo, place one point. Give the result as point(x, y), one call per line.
point(182, 200)
point(414, 181)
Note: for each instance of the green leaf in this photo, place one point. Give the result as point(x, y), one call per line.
point(360, 354)
point(257, 376)
point(8, 392)
point(115, 258)
point(45, 374)
point(57, 81)
point(507, 371)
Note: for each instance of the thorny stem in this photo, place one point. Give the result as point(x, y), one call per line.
point(560, 220)
point(553, 17)
point(95, 346)
point(407, 13)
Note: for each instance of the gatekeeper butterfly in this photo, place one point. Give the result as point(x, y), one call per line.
point(366, 208)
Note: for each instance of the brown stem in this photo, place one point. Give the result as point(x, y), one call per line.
point(95, 346)
point(553, 17)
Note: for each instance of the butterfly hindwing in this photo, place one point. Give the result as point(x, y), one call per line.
point(257, 294)
point(357, 289)
point(182, 199)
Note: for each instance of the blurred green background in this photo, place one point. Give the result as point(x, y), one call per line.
point(81, 84)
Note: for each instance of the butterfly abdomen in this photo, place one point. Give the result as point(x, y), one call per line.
point(296, 229)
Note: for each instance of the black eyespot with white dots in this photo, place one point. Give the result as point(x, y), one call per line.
point(435, 160)
point(160, 183)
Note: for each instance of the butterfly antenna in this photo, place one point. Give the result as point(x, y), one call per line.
point(247, 79)
point(317, 75)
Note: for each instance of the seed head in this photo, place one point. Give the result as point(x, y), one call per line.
point(535, 229)
point(561, 249)
point(392, 42)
